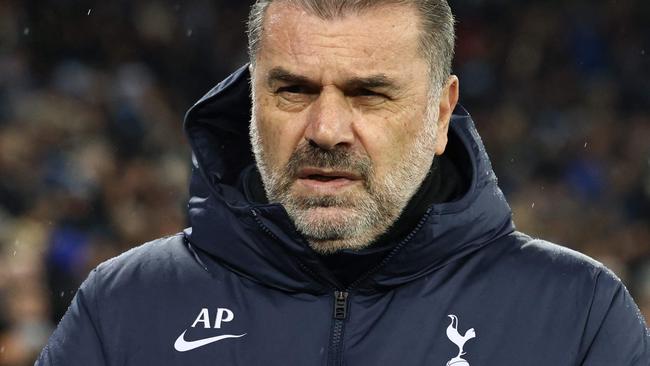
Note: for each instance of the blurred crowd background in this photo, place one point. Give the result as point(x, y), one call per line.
point(93, 159)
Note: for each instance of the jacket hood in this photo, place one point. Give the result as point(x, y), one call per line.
point(259, 241)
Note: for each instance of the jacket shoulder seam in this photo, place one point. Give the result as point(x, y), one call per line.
point(97, 325)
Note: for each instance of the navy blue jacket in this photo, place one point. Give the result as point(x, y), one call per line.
point(242, 287)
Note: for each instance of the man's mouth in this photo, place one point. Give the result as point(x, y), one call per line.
point(321, 178)
point(321, 174)
point(326, 180)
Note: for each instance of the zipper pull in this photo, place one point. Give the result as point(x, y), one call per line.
point(340, 305)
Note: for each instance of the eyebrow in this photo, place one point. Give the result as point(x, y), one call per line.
point(378, 81)
point(279, 74)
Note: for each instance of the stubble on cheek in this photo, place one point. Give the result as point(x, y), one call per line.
point(272, 150)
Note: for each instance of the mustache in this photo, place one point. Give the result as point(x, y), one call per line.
point(339, 158)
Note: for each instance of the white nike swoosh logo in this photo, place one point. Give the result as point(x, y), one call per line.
point(181, 345)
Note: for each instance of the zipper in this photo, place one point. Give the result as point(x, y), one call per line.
point(340, 314)
point(340, 309)
point(342, 297)
point(340, 305)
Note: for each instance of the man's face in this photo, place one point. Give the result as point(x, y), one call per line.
point(343, 127)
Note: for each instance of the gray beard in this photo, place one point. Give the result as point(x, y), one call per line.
point(362, 217)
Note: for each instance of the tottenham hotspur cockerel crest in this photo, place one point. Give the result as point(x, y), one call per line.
point(459, 340)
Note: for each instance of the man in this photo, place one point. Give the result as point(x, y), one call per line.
point(355, 220)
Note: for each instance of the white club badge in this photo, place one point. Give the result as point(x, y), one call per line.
point(459, 340)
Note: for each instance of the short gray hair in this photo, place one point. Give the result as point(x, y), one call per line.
point(436, 22)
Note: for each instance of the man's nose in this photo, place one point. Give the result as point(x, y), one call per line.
point(330, 121)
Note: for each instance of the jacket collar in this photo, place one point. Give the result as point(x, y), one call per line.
point(259, 241)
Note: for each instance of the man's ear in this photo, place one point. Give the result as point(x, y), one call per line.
point(448, 101)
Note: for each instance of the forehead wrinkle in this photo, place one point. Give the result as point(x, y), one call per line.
point(302, 41)
point(338, 47)
point(299, 27)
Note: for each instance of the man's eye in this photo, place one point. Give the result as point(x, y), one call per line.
point(292, 89)
point(368, 97)
point(296, 94)
point(368, 93)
